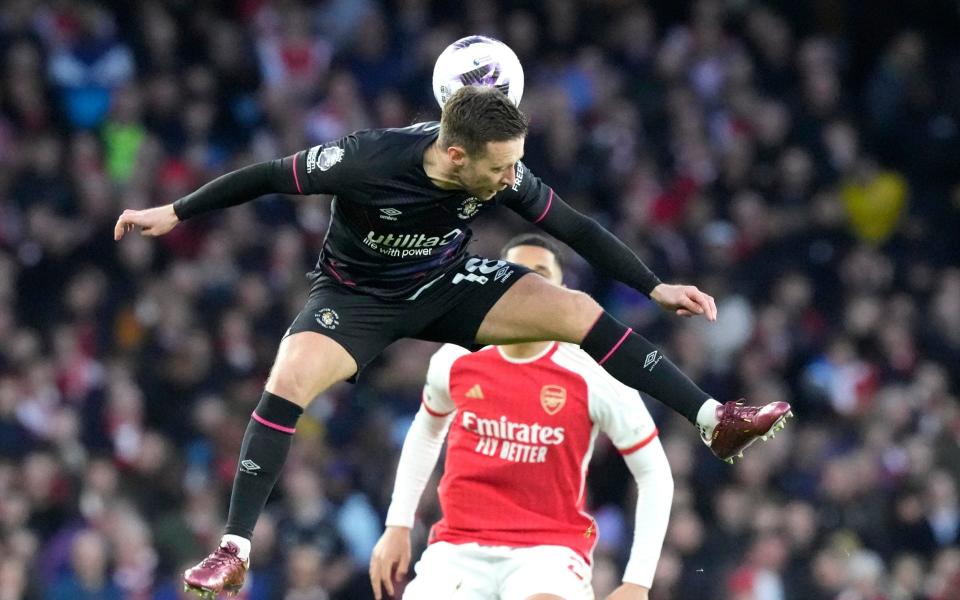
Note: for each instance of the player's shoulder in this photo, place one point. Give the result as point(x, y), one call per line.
point(392, 147)
point(450, 351)
point(398, 136)
point(423, 129)
point(447, 354)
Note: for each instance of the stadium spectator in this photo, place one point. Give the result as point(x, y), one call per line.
point(730, 144)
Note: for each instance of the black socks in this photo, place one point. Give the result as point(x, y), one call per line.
point(635, 362)
point(262, 455)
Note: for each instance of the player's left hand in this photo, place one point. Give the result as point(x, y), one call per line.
point(629, 591)
point(391, 552)
point(685, 300)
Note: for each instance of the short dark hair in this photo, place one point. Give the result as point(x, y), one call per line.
point(477, 114)
point(533, 239)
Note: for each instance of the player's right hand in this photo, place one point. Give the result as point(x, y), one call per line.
point(391, 552)
point(151, 221)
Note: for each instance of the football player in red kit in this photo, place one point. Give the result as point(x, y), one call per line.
point(522, 422)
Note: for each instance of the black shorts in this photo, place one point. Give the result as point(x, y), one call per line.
point(450, 308)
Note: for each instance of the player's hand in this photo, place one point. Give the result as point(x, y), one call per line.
point(152, 221)
point(685, 300)
point(392, 550)
point(629, 591)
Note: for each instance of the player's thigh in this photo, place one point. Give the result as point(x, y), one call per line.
point(535, 309)
point(452, 571)
point(546, 572)
point(308, 363)
point(336, 334)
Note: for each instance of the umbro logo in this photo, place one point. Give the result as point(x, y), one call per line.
point(248, 466)
point(390, 214)
point(475, 392)
point(652, 360)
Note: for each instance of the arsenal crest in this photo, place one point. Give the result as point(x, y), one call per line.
point(552, 398)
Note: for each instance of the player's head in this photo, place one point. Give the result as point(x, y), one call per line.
point(537, 253)
point(482, 133)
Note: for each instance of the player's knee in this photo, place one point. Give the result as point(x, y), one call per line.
point(293, 379)
point(581, 312)
point(306, 365)
point(290, 384)
point(584, 303)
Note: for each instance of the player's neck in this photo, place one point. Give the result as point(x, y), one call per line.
point(439, 168)
point(524, 351)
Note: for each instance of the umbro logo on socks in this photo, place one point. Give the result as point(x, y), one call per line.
point(651, 360)
point(248, 466)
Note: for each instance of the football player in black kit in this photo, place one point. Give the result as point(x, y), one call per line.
point(395, 264)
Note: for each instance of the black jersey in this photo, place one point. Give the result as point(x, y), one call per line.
point(391, 229)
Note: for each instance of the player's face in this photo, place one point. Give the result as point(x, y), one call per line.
point(537, 259)
point(493, 171)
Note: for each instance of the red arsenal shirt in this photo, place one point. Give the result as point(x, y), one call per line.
point(520, 442)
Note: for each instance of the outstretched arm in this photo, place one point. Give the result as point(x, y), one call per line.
point(324, 169)
point(540, 205)
point(606, 252)
point(227, 190)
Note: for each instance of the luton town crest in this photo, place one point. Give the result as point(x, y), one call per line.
point(552, 398)
point(328, 318)
point(468, 208)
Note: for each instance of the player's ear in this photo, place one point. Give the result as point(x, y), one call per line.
point(457, 154)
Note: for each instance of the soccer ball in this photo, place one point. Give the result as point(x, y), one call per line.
point(477, 60)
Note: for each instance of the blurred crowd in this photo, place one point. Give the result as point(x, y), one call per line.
point(798, 160)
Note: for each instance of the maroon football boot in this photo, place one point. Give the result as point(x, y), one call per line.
point(740, 425)
point(222, 571)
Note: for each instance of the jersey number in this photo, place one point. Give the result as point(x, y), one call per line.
point(477, 270)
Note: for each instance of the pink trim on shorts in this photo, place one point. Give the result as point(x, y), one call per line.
point(339, 278)
point(267, 423)
point(618, 344)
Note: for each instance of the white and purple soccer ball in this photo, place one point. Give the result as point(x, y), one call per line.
point(477, 60)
